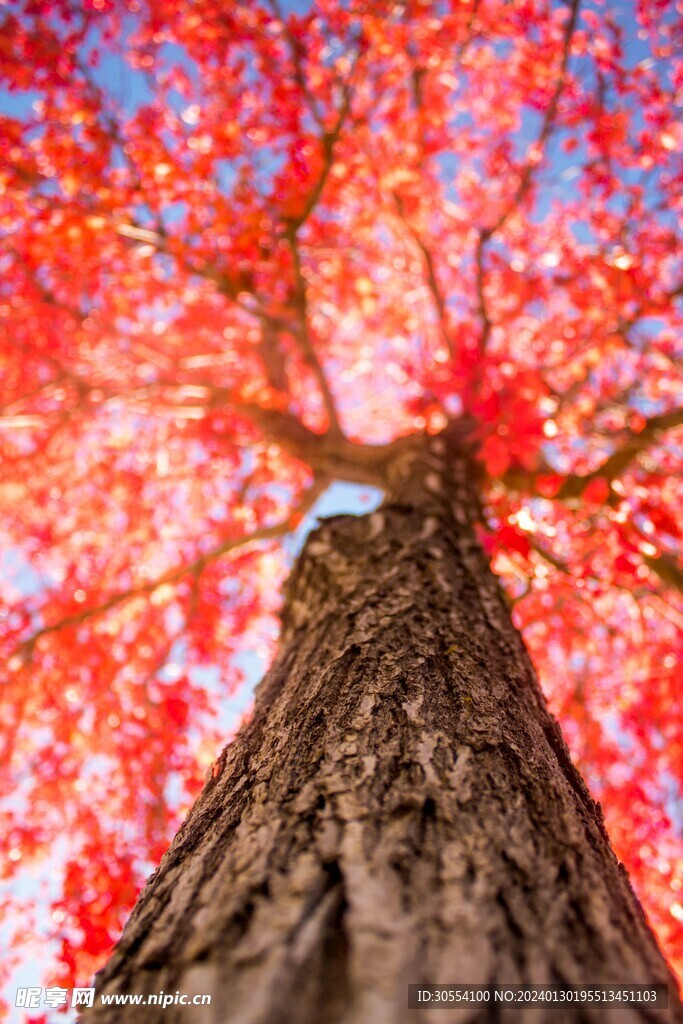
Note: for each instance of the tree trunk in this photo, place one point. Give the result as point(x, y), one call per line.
point(401, 808)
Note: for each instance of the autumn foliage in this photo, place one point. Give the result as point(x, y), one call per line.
point(237, 238)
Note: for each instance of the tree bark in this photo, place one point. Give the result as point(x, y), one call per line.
point(401, 808)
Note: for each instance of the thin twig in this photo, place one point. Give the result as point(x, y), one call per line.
point(432, 281)
point(194, 568)
point(546, 127)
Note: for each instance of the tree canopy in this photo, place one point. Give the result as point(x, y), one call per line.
point(246, 249)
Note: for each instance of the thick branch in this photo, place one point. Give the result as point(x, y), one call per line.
point(615, 465)
point(328, 455)
point(667, 569)
point(663, 565)
point(518, 479)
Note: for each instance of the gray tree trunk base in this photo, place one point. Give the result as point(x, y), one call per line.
point(401, 808)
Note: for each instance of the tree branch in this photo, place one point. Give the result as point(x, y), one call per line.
point(614, 466)
point(484, 316)
point(546, 127)
point(296, 53)
point(194, 568)
point(525, 180)
point(666, 568)
point(548, 556)
point(432, 282)
point(328, 142)
point(303, 337)
point(470, 34)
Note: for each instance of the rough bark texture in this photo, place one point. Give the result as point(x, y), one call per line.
point(400, 808)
